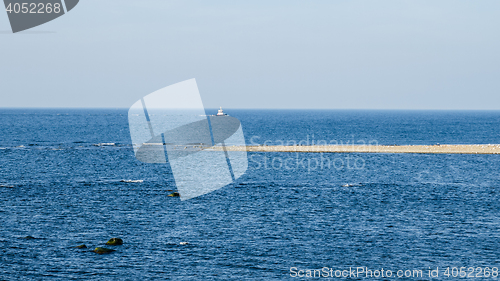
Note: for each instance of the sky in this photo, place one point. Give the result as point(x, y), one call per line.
point(260, 54)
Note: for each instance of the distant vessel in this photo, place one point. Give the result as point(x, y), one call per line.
point(220, 112)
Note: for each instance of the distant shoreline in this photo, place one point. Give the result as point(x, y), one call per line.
point(422, 149)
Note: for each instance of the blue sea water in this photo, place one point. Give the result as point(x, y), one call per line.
point(61, 182)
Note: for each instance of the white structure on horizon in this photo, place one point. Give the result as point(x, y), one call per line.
point(220, 112)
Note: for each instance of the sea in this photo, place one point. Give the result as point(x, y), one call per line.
point(69, 177)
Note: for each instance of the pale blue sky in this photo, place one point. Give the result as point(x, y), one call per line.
point(260, 54)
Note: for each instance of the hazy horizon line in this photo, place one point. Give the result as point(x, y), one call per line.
point(242, 108)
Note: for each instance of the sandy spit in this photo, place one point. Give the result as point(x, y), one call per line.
point(427, 149)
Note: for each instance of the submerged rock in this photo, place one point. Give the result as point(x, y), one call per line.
point(83, 246)
point(101, 250)
point(175, 194)
point(115, 242)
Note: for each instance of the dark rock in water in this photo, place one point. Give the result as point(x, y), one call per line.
point(115, 241)
point(175, 194)
point(83, 246)
point(28, 237)
point(100, 250)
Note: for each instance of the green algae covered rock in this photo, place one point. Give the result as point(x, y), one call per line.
point(175, 194)
point(100, 250)
point(115, 242)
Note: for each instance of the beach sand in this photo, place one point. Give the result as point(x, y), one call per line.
point(426, 149)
